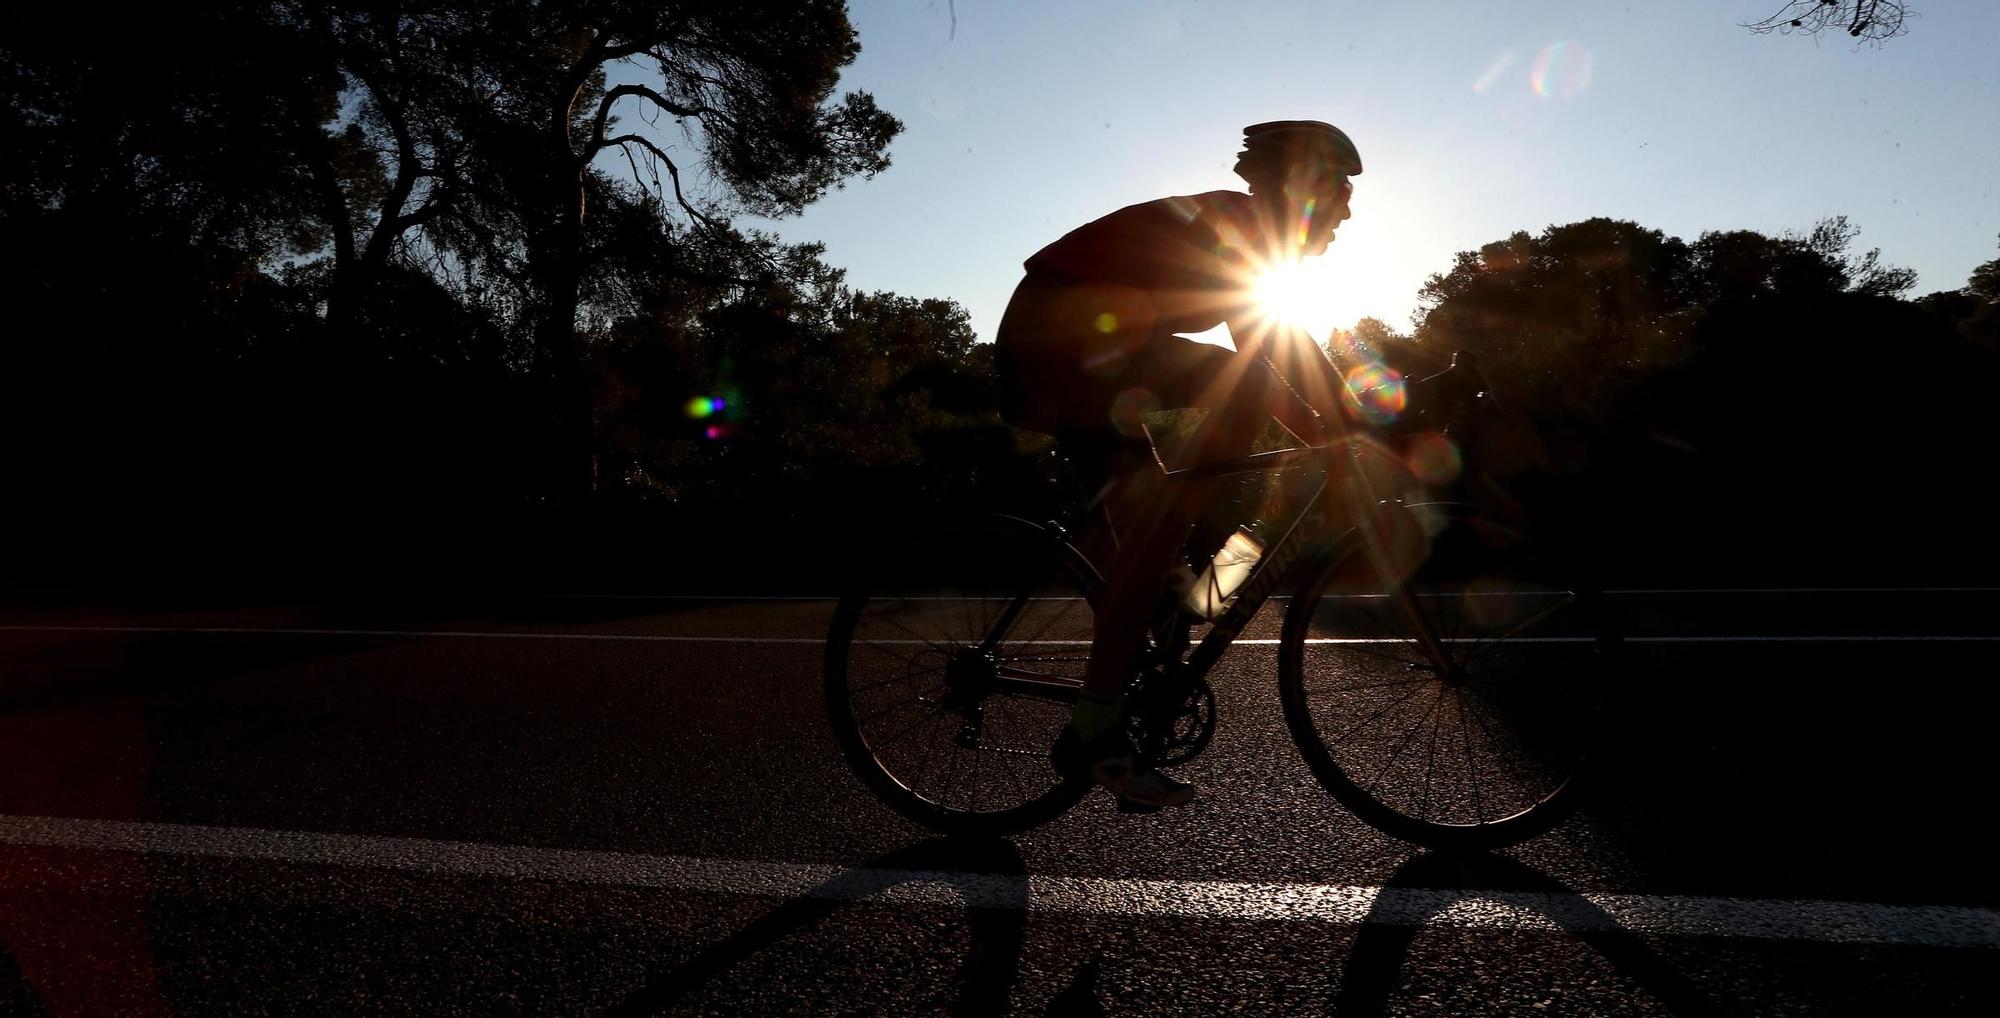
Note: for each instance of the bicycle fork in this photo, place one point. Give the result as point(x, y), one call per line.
point(1376, 545)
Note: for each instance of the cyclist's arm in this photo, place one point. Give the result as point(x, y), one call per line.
point(1316, 404)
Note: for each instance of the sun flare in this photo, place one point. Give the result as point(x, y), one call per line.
point(1298, 294)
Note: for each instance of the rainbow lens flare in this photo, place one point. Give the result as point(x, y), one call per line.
point(705, 406)
point(1378, 391)
point(1562, 69)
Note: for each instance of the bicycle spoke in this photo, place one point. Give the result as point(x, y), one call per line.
point(1471, 768)
point(953, 762)
point(1492, 677)
point(882, 648)
point(1003, 584)
point(1517, 630)
point(1396, 636)
point(928, 641)
point(1430, 761)
point(1368, 651)
point(1054, 616)
point(971, 633)
point(925, 766)
point(1015, 772)
point(1471, 605)
point(891, 709)
point(905, 732)
point(1025, 674)
point(1501, 755)
point(1370, 719)
point(1436, 702)
point(915, 673)
point(1371, 685)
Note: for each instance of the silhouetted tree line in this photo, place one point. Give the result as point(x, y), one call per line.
point(334, 272)
point(1740, 404)
point(450, 285)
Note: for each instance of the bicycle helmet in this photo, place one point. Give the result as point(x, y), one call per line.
point(1273, 147)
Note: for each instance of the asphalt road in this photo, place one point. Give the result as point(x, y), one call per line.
point(576, 805)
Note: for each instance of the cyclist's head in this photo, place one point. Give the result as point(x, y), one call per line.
point(1304, 165)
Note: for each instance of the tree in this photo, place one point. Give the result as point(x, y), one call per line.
point(491, 118)
point(1371, 339)
point(753, 99)
point(1565, 321)
point(1973, 309)
point(1985, 281)
point(1875, 21)
point(304, 260)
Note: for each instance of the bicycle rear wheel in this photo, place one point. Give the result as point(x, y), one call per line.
point(952, 670)
point(1448, 692)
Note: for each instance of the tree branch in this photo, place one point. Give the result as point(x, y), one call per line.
point(1875, 21)
point(389, 221)
point(672, 171)
point(597, 142)
point(429, 210)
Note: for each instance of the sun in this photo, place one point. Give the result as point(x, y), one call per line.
point(1298, 294)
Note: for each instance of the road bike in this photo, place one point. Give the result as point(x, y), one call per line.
point(1440, 670)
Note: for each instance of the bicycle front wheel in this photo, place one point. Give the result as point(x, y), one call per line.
point(952, 670)
point(1443, 681)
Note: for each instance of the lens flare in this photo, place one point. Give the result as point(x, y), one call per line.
point(705, 406)
point(1129, 407)
point(1435, 459)
point(1562, 69)
point(1378, 391)
point(1493, 71)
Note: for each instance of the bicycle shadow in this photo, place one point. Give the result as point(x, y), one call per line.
point(987, 876)
point(1425, 886)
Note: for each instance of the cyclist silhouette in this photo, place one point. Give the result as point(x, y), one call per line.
point(1089, 343)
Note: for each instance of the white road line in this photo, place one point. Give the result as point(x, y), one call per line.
point(475, 634)
point(1833, 922)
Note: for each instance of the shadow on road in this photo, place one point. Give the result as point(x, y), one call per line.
point(1382, 945)
point(996, 912)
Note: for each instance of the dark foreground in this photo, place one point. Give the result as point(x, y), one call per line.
point(586, 805)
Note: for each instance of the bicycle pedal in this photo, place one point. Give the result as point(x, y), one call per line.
point(1140, 808)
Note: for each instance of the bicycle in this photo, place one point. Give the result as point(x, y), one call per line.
point(1429, 646)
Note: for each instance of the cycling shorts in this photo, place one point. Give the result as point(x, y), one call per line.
point(1087, 376)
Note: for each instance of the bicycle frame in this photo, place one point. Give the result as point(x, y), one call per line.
point(1304, 545)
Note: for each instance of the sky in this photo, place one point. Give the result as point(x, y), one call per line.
point(1026, 119)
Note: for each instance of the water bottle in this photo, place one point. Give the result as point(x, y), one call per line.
point(1209, 594)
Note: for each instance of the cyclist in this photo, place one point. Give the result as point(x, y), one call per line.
point(1089, 343)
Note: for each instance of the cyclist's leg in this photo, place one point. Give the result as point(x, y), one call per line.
point(1153, 515)
point(1150, 525)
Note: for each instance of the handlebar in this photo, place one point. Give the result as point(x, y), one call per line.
point(1447, 397)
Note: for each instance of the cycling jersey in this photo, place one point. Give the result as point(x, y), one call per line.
point(1088, 341)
